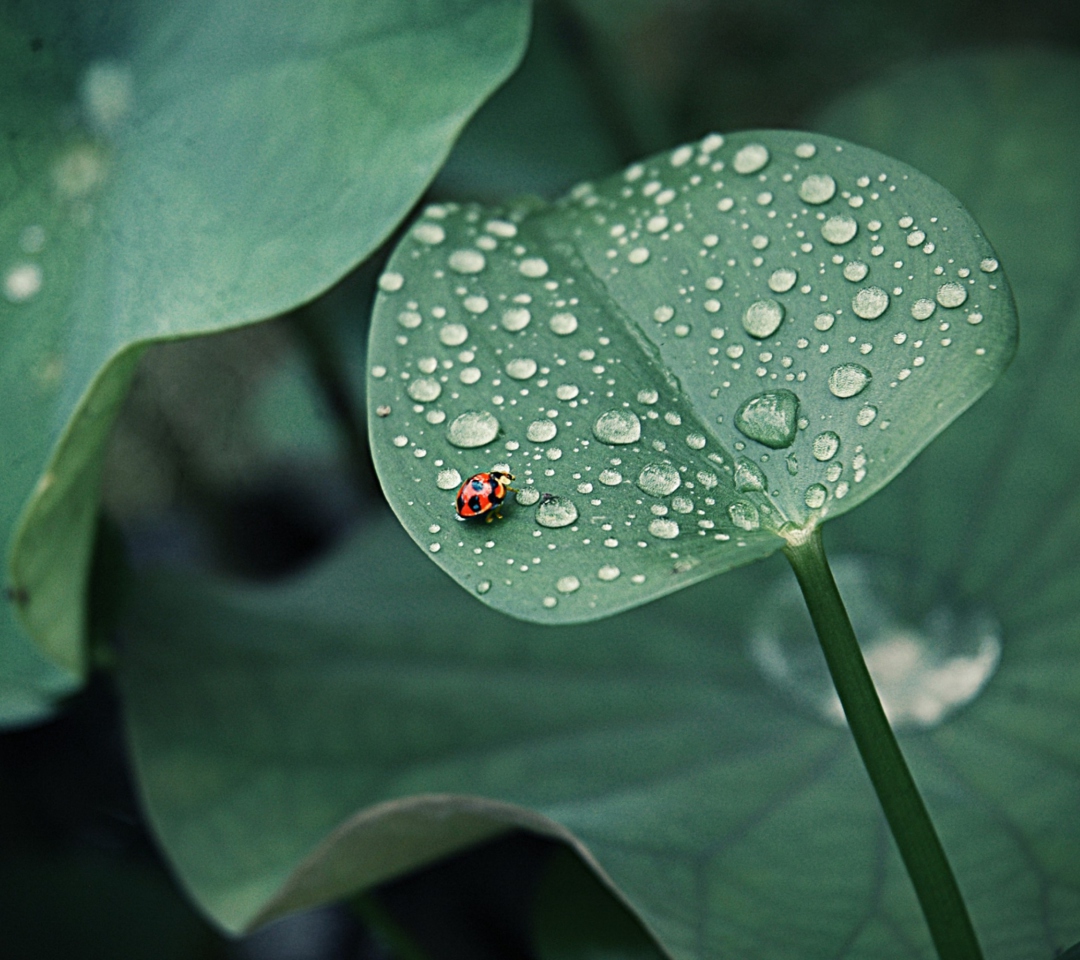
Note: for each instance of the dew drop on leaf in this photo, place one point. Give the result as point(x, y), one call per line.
point(527, 496)
point(424, 389)
point(473, 429)
point(448, 479)
point(563, 324)
point(825, 445)
point(608, 573)
point(817, 188)
point(467, 261)
point(659, 479)
point(664, 529)
point(750, 158)
point(567, 584)
point(744, 515)
point(951, 294)
point(453, 334)
point(848, 380)
point(866, 415)
point(762, 318)
point(521, 368)
point(839, 230)
point(770, 418)
point(815, 496)
point(870, 303)
point(617, 427)
point(540, 431)
point(748, 476)
point(556, 512)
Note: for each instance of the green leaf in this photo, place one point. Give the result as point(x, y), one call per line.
point(290, 744)
point(175, 169)
point(682, 365)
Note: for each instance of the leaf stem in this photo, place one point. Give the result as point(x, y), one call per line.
point(935, 886)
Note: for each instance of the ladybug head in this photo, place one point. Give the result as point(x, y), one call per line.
point(501, 476)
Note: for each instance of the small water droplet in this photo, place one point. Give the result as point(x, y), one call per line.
point(817, 188)
point(391, 282)
point(825, 445)
point(608, 573)
point(750, 158)
point(989, 265)
point(824, 321)
point(527, 496)
point(556, 512)
point(815, 496)
point(804, 151)
point(483, 586)
point(22, 282)
point(533, 267)
point(638, 255)
point(466, 261)
point(762, 318)
point(782, 280)
point(566, 391)
point(617, 427)
point(521, 368)
point(501, 228)
point(563, 324)
point(744, 515)
point(663, 528)
point(855, 270)
point(453, 334)
point(663, 314)
point(923, 308)
point(430, 233)
point(770, 418)
point(550, 602)
point(951, 294)
point(382, 410)
point(476, 304)
point(648, 396)
point(540, 431)
point(866, 415)
point(840, 230)
point(696, 441)
point(515, 319)
point(748, 476)
point(424, 389)
point(610, 478)
point(848, 380)
point(448, 479)
point(659, 479)
point(567, 584)
point(870, 303)
point(473, 429)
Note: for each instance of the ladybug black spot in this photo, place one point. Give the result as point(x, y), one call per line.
point(474, 504)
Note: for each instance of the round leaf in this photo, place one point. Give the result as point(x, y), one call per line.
point(175, 169)
point(681, 365)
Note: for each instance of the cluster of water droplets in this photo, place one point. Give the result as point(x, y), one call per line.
point(707, 356)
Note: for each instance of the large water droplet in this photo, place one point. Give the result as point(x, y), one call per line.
point(748, 476)
point(825, 445)
point(617, 427)
point(870, 303)
point(424, 389)
point(762, 318)
point(473, 429)
point(556, 512)
point(744, 515)
point(659, 479)
point(540, 431)
point(817, 188)
point(664, 529)
point(839, 230)
point(771, 418)
point(848, 379)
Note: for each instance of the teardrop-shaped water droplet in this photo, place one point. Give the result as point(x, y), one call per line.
point(744, 515)
point(848, 379)
point(541, 431)
point(748, 476)
point(473, 429)
point(770, 418)
point(762, 318)
point(617, 427)
point(659, 479)
point(664, 529)
point(870, 303)
point(825, 445)
point(556, 512)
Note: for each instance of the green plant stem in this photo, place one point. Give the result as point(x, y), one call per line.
point(914, 833)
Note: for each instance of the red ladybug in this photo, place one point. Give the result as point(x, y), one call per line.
point(483, 494)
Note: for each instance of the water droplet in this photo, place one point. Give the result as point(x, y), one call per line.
point(534, 267)
point(866, 415)
point(744, 515)
point(410, 319)
point(870, 303)
point(466, 261)
point(762, 318)
point(922, 309)
point(975, 317)
point(567, 584)
point(430, 233)
point(521, 368)
point(476, 304)
point(648, 396)
point(435, 547)
point(563, 324)
point(848, 379)
point(663, 528)
point(453, 334)
point(617, 427)
point(473, 429)
point(515, 319)
point(424, 389)
point(501, 228)
point(695, 441)
point(951, 294)
point(989, 265)
point(748, 476)
point(483, 586)
point(401, 441)
point(469, 375)
point(824, 321)
point(825, 445)
point(817, 188)
point(638, 255)
point(556, 512)
point(610, 478)
point(782, 280)
point(815, 496)
point(682, 504)
point(915, 238)
point(22, 282)
point(663, 314)
point(659, 479)
point(804, 151)
point(448, 479)
point(750, 158)
point(855, 270)
point(566, 391)
point(527, 496)
point(839, 230)
point(541, 431)
point(391, 282)
point(656, 224)
point(550, 602)
point(382, 410)
point(770, 418)
point(608, 573)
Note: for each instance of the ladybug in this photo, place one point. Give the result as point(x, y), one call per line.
point(483, 494)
